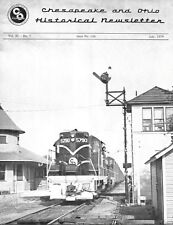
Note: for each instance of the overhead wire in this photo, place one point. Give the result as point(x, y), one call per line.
point(54, 109)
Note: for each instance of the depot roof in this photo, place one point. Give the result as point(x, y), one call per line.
point(22, 155)
point(6, 122)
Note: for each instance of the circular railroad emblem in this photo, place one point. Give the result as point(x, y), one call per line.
point(73, 161)
point(18, 14)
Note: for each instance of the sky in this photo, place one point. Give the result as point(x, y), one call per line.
point(47, 86)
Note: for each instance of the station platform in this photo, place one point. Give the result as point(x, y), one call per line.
point(36, 193)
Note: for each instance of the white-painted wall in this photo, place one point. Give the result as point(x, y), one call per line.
point(11, 143)
point(145, 144)
point(8, 183)
point(169, 187)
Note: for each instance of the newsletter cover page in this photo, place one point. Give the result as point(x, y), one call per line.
point(85, 91)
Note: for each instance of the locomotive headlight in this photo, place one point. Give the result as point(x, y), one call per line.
point(86, 135)
point(72, 139)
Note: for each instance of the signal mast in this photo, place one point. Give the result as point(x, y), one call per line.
point(114, 98)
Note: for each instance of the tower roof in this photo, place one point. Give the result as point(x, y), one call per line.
point(155, 95)
point(7, 124)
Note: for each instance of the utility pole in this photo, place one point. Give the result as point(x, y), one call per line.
point(117, 98)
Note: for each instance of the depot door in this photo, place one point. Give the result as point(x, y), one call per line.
point(18, 178)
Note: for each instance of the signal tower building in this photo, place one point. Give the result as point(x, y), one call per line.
point(151, 127)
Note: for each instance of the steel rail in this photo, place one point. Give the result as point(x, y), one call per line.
point(40, 210)
point(65, 214)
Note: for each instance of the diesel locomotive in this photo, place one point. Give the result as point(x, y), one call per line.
point(81, 169)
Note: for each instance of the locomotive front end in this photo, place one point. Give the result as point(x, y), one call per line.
point(72, 179)
point(81, 169)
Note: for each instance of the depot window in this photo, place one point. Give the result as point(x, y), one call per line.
point(2, 171)
point(3, 140)
point(19, 172)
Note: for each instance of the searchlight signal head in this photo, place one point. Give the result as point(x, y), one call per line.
point(104, 78)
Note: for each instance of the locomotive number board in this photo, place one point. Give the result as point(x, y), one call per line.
point(77, 140)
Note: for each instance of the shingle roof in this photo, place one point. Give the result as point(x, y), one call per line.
point(22, 155)
point(6, 122)
point(160, 153)
point(156, 95)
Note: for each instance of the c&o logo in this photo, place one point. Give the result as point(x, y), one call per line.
point(18, 14)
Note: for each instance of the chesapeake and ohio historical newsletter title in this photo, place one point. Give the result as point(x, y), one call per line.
point(75, 15)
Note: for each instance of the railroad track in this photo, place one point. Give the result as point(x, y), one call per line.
point(100, 212)
point(62, 217)
point(15, 221)
point(52, 214)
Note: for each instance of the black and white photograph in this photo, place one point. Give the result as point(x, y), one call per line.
point(86, 112)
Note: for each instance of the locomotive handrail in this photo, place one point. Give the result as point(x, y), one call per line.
point(93, 167)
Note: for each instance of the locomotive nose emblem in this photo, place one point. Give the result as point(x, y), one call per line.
point(73, 161)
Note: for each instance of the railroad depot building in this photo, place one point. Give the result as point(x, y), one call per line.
point(20, 169)
point(151, 128)
point(161, 165)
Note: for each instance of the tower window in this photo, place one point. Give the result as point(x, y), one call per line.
point(147, 119)
point(158, 119)
point(169, 118)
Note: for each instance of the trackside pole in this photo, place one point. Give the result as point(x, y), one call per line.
point(114, 98)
